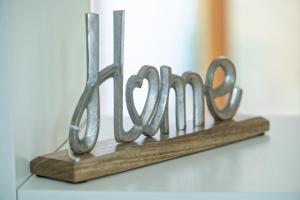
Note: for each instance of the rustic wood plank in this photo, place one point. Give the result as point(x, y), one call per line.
point(109, 157)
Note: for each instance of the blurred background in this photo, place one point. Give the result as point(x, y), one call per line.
point(260, 37)
point(43, 61)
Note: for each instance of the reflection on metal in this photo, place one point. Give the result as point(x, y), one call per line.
point(155, 112)
point(227, 87)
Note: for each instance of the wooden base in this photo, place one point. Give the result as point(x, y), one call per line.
point(109, 157)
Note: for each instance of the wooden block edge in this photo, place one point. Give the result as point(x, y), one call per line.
point(74, 174)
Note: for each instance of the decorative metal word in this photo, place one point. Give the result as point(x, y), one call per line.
point(155, 112)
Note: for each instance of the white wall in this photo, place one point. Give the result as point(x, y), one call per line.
point(7, 164)
point(265, 46)
point(42, 77)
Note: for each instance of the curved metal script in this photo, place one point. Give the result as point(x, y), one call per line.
point(154, 115)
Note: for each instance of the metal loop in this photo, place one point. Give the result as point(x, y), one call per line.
point(151, 75)
point(227, 87)
point(89, 100)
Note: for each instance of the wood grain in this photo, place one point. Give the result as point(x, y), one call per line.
point(109, 157)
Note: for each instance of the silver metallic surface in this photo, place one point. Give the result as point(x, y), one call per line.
point(151, 74)
point(196, 83)
point(155, 111)
point(179, 85)
point(227, 87)
point(150, 119)
point(89, 100)
point(163, 96)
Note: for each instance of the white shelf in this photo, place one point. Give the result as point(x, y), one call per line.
point(258, 166)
